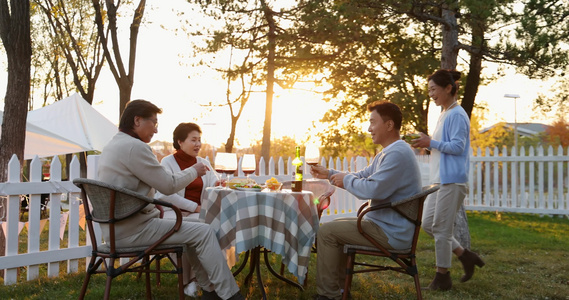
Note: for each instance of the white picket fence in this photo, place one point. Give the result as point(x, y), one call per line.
point(494, 185)
point(33, 256)
point(532, 182)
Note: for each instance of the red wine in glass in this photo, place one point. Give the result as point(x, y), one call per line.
point(248, 172)
point(229, 173)
point(312, 163)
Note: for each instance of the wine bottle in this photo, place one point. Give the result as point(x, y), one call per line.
point(296, 185)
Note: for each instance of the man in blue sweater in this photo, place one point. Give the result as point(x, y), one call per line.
point(392, 175)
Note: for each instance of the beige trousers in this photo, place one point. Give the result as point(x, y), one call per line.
point(331, 260)
point(202, 252)
point(439, 213)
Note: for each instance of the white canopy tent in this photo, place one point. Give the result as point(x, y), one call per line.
point(67, 126)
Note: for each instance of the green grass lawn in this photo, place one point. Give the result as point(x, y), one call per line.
point(527, 257)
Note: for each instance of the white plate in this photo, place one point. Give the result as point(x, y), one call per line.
point(248, 189)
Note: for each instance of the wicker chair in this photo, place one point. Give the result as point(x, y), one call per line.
point(412, 209)
point(111, 204)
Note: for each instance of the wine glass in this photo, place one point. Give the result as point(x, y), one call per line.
point(230, 164)
point(312, 154)
point(220, 163)
point(248, 164)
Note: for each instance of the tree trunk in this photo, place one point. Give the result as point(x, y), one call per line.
point(475, 67)
point(449, 53)
point(449, 61)
point(125, 89)
point(266, 145)
point(15, 34)
point(231, 138)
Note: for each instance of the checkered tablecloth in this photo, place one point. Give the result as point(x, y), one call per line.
point(284, 222)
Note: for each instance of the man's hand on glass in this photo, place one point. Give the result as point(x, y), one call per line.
point(319, 171)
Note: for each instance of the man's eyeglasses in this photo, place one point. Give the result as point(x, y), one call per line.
point(154, 121)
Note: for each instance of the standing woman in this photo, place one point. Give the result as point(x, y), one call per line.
point(187, 142)
point(449, 164)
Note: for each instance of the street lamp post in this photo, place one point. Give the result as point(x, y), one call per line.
point(515, 97)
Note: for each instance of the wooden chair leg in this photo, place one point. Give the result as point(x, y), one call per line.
point(91, 268)
point(158, 269)
point(84, 287)
point(110, 266)
point(108, 287)
point(180, 270)
point(148, 291)
point(349, 274)
point(418, 287)
point(144, 261)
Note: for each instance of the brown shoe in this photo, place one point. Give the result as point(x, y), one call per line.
point(469, 259)
point(441, 282)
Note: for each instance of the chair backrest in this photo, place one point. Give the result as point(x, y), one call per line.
point(126, 203)
point(412, 207)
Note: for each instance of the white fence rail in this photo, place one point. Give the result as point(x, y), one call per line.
point(533, 183)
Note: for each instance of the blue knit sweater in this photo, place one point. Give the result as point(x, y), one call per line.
point(392, 175)
point(454, 147)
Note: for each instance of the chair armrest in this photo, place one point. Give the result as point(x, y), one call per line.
point(364, 209)
point(175, 209)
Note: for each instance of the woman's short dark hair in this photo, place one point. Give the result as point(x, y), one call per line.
point(444, 77)
point(387, 111)
point(181, 132)
point(134, 108)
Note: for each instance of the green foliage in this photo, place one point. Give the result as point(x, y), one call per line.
point(555, 99)
point(498, 135)
point(502, 135)
point(369, 53)
point(540, 47)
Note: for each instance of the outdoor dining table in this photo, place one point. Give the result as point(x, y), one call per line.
point(283, 222)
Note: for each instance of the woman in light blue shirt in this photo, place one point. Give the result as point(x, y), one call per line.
point(449, 145)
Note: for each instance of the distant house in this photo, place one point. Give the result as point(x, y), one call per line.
point(524, 129)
